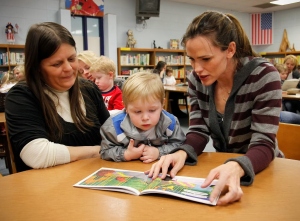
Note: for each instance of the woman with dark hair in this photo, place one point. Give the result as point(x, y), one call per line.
point(57, 116)
point(235, 100)
point(160, 69)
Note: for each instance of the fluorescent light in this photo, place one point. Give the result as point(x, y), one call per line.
point(284, 2)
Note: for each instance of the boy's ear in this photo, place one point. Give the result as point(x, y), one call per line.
point(111, 74)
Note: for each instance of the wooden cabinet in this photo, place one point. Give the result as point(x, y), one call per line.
point(10, 56)
point(132, 60)
point(278, 57)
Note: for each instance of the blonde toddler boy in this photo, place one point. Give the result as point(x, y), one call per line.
point(143, 130)
point(103, 71)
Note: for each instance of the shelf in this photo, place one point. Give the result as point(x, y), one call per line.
point(278, 57)
point(130, 58)
point(279, 53)
point(10, 54)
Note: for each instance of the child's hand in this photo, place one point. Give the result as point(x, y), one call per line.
point(133, 153)
point(149, 154)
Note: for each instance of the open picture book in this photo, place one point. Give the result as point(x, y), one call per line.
point(290, 83)
point(137, 183)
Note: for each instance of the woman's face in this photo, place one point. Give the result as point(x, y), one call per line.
point(207, 60)
point(60, 69)
point(290, 65)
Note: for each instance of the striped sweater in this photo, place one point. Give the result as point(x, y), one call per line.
point(250, 119)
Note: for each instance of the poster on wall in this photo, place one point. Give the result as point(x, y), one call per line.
point(86, 7)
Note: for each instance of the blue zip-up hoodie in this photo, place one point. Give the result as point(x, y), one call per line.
point(117, 131)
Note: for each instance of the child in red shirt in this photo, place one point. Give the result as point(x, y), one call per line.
point(103, 71)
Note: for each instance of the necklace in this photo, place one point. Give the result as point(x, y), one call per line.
point(227, 93)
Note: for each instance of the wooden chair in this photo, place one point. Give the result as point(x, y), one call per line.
point(8, 153)
point(288, 137)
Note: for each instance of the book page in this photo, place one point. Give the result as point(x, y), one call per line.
point(116, 180)
point(290, 83)
point(137, 183)
point(184, 187)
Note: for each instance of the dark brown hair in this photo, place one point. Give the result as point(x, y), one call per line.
point(221, 29)
point(42, 41)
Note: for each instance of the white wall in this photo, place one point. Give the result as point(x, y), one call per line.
point(26, 13)
point(289, 20)
point(172, 22)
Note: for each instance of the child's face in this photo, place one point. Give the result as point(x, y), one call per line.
point(104, 81)
point(283, 75)
point(19, 75)
point(83, 68)
point(143, 114)
point(169, 73)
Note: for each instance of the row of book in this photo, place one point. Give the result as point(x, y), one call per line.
point(171, 59)
point(144, 59)
point(134, 70)
point(138, 59)
point(179, 73)
point(12, 58)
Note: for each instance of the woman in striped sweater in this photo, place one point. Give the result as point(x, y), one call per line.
point(235, 99)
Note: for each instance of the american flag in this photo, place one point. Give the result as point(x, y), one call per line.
point(262, 32)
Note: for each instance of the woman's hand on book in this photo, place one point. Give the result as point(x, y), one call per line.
point(229, 175)
point(175, 161)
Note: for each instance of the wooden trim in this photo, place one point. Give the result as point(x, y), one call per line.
point(288, 140)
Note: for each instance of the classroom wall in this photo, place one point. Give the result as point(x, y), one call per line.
point(289, 20)
point(172, 22)
point(26, 13)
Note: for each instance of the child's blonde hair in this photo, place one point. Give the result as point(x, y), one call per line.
point(105, 65)
point(87, 57)
point(281, 67)
point(20, 67)
point(145, 86)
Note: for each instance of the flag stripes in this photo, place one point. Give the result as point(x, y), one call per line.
point(262, 28)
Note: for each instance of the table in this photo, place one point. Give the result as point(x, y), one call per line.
point(290, 96)
point(168, 89)
point(48, 194)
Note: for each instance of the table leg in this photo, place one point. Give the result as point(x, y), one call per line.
point(167, 93)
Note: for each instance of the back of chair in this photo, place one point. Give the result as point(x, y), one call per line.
point(119, 82)
point(10, 151)
point(288, 137)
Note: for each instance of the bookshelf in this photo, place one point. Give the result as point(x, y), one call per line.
point(278, 57)
point(10, 56)
point(132, 60)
